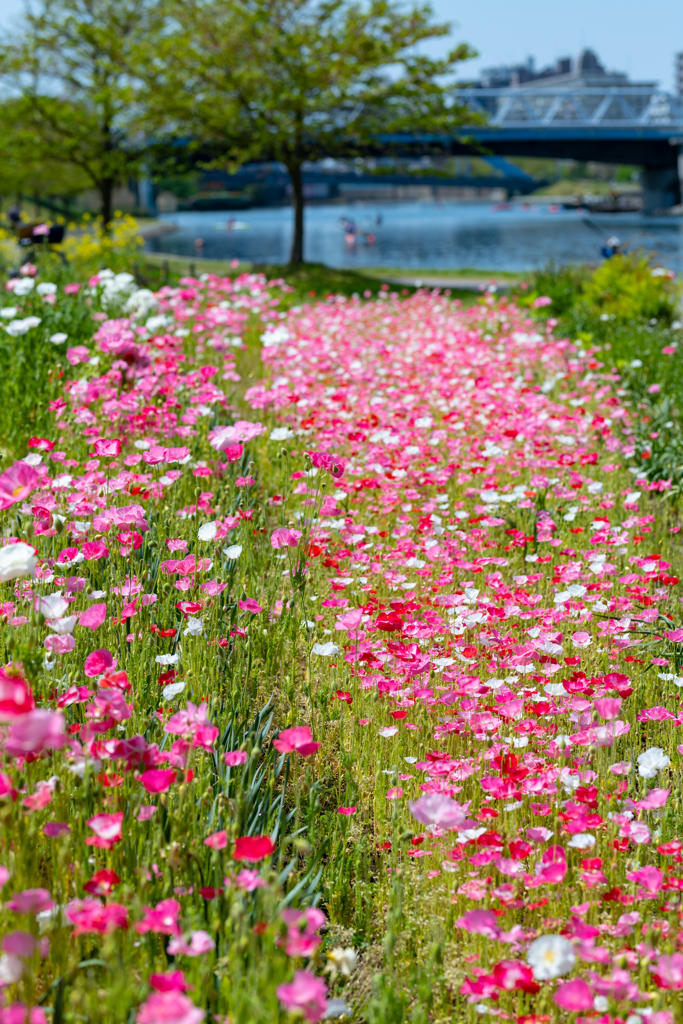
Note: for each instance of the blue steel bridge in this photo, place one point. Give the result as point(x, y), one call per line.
point(576, 110)
point(602, 118)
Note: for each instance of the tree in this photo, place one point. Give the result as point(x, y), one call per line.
point(298, 80)
point(71, 75)
point(26, 171)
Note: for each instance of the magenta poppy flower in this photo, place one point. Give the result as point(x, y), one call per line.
point(323, 460)
point(98, 662)
point(158, 780)
point(298, 740)
point(16, 483)
point(232, 452)
point(107, 449)
point(91, 917)
point(253, 848)
point(170, 981)
point(16, 696)
point(55, 829)
point(250, 605)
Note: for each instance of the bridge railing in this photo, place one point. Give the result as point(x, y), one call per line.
point(629, 106)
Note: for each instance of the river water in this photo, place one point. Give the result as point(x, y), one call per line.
point(422, 235)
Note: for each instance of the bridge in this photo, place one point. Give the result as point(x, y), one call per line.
point(576, 110)
point(617, 124)
point(634, 125)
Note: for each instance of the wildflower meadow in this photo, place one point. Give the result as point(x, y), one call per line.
point(342, 663)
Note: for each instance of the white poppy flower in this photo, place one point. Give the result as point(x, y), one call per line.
point(551, 956)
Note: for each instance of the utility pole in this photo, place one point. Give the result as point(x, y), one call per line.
point(678, 75)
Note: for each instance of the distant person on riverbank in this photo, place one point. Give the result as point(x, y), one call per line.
point(612, 247)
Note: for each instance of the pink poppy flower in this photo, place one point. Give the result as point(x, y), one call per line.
point(94, 549)
point(16, 696)
point(30, 901)
point(668, 971)
point(94, 616)
point(437, 809)
point(171, 981)
point(60, 644)
point(162, 919)
point(107, 449)
point(574, 996)
point(608, 707)
point(98, 662)
point(55, 829)
point(248, 879)
point(285, 537)
point(90, 917)
point(16, 483)
point(41, 729)
point(480, 922)
point(200, 942)
point(297, 739)
point(306, 993)
point(172, 1007)
point(232, 452)
point(102, 882)
point(250, 605)
point(323, 460)
point(108, 829)
point(233, 758)
point(217, 841)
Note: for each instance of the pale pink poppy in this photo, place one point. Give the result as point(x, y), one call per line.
point(16, 483)
point(306, 994)
point(233, 758)
point(172, 1007)
point(285, 537)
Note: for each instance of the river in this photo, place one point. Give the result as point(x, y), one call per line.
point(422, 235)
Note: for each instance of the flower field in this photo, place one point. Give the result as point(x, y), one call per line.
point(342, 667)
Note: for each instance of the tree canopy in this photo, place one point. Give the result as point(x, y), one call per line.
point(74, 80)
point(297, 80)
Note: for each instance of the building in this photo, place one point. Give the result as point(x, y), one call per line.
point(584, 71)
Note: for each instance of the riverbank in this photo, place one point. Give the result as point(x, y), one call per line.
point(321, 280)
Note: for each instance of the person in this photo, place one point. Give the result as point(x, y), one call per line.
point(14, 214)
point(612, 247)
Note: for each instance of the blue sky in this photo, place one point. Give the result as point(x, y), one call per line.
point(636, 36)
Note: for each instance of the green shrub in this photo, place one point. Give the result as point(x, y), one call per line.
point(630, 288)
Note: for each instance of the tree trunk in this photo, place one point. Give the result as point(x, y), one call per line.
point(106, 202)
point(297, 252)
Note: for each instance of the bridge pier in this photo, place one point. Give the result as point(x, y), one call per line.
point(661, 187)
